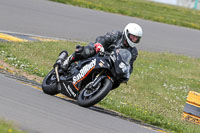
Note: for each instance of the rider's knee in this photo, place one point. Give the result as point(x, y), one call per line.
point(84, 52)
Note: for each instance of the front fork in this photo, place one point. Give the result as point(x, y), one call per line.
point(99, 77)
point(57, 75)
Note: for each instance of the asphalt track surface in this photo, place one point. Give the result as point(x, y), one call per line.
point(37, 112)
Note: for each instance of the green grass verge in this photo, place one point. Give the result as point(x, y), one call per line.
point(144, 9)
point(7, 127)
point(156, 92)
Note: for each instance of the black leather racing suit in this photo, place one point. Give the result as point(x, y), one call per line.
point(115, 38)
point(111, 38)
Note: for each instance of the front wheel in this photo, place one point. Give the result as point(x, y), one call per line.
point(49, 84)
point(88, 97)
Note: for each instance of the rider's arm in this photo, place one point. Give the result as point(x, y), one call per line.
point(134, 53)
point(108, 39)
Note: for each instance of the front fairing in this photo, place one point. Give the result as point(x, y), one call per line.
point(121, 60)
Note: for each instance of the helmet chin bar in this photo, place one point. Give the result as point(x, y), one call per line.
point(131, 44)
point(126, 43)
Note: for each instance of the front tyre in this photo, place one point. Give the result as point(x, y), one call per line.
point(88, 98)
point(49, 84)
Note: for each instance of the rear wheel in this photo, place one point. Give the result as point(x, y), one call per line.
point(49, 84)
point(89, 97)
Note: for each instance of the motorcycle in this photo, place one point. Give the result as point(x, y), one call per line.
point(89, 80)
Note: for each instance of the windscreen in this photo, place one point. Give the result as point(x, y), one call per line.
point(125, 65)
point(126, 55)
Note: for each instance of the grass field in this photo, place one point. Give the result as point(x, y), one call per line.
point(156, 92)
point(7, 127)
point(144, 9)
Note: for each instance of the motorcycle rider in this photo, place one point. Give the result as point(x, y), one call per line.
point(127, 39)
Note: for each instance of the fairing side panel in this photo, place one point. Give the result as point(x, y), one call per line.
point(68, 89)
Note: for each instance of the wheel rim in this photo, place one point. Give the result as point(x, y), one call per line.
point(89, 93)
point(51, 80)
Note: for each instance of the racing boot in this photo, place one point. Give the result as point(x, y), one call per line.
point(62, 57)
point(67, 63)
point(73, 57)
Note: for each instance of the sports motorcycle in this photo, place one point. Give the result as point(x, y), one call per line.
point(89, 80)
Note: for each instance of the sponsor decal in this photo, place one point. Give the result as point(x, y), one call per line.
point(84, 71)
point(69, 89)
point(122, 66)
point(66, 89)
point(72, 92)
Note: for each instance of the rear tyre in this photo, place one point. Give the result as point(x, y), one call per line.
point(49, 84)
point(87, 98)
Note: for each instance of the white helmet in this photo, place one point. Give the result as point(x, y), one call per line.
point(132, 29)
